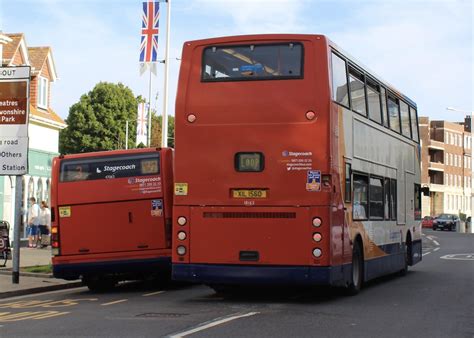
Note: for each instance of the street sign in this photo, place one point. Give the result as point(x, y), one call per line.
point(14, 111)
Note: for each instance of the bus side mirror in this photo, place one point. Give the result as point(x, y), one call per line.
point(425, 191)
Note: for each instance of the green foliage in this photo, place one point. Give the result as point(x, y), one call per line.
point(156, 130)
point(97, 121)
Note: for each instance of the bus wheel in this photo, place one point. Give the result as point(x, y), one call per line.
point(99, 284)
point(224, 289)
point(406, 256)
point(357, 275)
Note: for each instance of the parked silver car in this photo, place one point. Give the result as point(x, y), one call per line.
point(446, 221)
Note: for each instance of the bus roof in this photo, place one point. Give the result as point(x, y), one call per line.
point(110, 153)
point(276, 37)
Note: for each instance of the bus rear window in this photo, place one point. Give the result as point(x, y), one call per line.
point(109, 167)
point(252, 62)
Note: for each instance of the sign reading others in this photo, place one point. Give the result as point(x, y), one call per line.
point(14, 108)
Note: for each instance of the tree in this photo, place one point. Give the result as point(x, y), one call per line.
point(97, 121)
point(156, 130)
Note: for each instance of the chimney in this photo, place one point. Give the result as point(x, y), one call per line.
point(467, 123)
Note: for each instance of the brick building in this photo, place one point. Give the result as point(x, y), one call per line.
point(44, 123)
point(446, 149)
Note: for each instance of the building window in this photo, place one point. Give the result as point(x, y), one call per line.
point(42, 92)
point(39, 191)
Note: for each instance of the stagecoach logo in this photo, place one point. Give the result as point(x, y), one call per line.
point(287, 153)
point(313, 181)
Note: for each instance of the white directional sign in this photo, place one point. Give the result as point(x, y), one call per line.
point(14, 110)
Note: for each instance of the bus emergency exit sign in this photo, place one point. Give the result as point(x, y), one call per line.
point(14, 110)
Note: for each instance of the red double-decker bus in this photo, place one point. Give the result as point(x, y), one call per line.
point(111, 215)
point(294, 165)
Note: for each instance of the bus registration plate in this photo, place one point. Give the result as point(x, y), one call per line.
point(249, 193)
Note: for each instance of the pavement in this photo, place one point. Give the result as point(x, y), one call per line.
point(31, 282)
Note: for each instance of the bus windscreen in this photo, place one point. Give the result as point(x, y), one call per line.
point(252, 62)
point(109, 167)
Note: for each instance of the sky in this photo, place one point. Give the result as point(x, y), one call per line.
point(422, 47)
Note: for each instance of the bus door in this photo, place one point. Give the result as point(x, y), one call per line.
point(111, 204)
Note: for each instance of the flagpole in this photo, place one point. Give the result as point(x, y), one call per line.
point(164, 125)
point(149, 109)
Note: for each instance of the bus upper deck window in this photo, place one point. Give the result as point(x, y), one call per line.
point(252, 62)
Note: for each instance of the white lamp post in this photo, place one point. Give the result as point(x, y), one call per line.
point(472, 157)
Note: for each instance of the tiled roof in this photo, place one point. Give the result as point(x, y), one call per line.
point(10, 48)
point(47, 114)
point(38, 56)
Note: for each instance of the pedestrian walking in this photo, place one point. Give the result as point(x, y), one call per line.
point(45, 224)
point(33, 222)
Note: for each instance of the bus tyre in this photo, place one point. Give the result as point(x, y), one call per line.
point(99, 284)
point(406, 257)
point(357, 274)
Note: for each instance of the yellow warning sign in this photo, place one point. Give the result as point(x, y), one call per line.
point(181, 189)
point(64, 211)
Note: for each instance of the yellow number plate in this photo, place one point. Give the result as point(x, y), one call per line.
point(249, 193)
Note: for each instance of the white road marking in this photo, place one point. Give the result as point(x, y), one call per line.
point(426, 253)
point(435, 242)
point(115, 302)
point(459, 257)
point(212, 323)
point(436, 249)
point(152, 294)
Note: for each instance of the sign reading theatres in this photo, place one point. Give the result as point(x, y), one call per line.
point(14, 109)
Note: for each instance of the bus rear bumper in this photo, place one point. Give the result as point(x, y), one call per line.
point(134, 267)
point(258, 275)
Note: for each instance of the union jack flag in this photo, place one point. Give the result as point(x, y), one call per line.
point(142, 124)
point(149, 39)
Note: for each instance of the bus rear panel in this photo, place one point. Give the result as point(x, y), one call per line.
point(112, 214)
point(260, 172)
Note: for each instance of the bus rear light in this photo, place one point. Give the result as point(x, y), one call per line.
point(182, 220)
point(55, 245)
point(191, 118)
point(181, 250)
point(317, 252)
point(317, 222)
point(54, 230)
point(310, 115)
point(181, 235)
point(317, 237)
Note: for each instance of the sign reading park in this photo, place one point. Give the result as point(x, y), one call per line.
point(14, 108)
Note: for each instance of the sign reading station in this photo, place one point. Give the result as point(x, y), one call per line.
point(14, 109)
